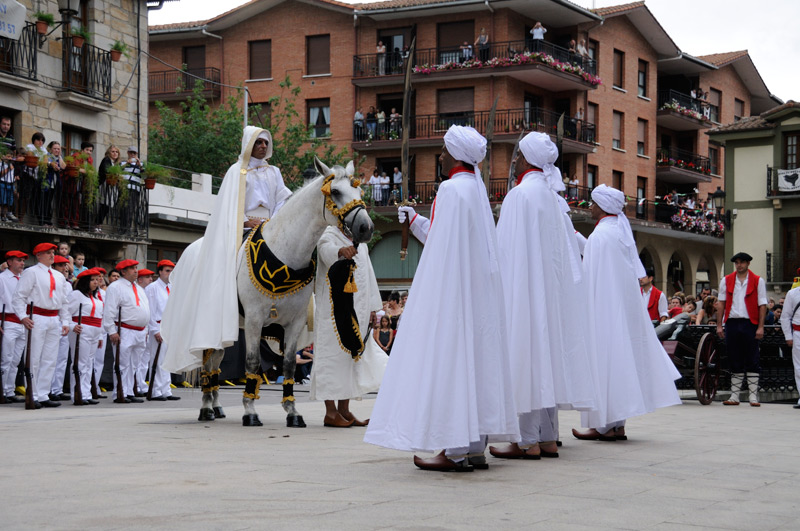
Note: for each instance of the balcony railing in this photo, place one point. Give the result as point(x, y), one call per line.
point(18, 58)
point(782, 267)
point(170, 82)
point(505, 121)
point(783, 183)
point(58, 202)
point(684, 104)
point(87, 71)
point(497, 54)
point(687, 160)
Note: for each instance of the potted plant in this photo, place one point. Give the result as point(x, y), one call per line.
point(113, 174)
point(31, 160)
point(118, 49)
point(80, 36)
point(154, 173)
point(43, 21)
point(89, 184)
point(73, 166)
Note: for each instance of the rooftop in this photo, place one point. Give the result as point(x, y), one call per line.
point(754, 123)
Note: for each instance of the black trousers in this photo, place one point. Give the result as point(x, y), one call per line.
point(742, 346)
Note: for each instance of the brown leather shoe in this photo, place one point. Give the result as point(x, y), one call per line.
point(356, 422)
point(548, 449)
point(337, 422)
point(730, 403)
point(513, 451)
point(755, 404)
point(592, 435)
point(440, 463)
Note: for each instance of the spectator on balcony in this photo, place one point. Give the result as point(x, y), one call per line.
point(132, 173)
point(397, 61)
point(537, 36)
point(381, 117)
point(377, 189)
point(371, 124)
point(573, 47)
point(572, 186)
point(581, 49)
point(466, 52)
point(6, 136)
point(394, 196)
point(45, 189)
point(380, 55)
point(395, 121)
point(482, 43)
point(397, 180)
point(358, 125)
point(386, 187)
point(7, 181)
point(108, 194)
point(27, 179)
point(690, 204)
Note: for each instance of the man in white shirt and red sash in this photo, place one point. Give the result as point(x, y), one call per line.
point(48, 290)
point(790, 323)
point(743, 304)
point(13, 331)
point(127, 296)
point(158, 293)
point(654, 300)
point(60, 264)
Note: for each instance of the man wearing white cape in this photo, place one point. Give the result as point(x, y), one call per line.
point(546, 317)
point(446, 381)
point(635, 375)
point(202, 312)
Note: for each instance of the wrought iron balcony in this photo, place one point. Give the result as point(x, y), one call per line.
point(87, 71)
point(175, 85)
point(682, 167)
point(18, 58)
point(681, 112)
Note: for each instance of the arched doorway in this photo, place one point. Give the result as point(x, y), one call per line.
point(676, 275)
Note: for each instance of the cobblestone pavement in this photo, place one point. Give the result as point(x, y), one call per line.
point(153, 465)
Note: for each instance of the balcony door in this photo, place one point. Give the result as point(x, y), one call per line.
point(75, 69)
point(395, 39)
point(194, 57)
point(450, 36)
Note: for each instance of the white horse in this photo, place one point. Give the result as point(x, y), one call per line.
point(333, 198)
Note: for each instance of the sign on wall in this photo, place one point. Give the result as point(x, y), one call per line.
point(12, 19)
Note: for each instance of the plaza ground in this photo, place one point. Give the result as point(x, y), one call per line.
point(153, 465)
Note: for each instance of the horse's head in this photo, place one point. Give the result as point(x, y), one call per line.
point(342, 192)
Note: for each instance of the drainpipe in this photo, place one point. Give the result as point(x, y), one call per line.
point(222, 65)
point(355, 52)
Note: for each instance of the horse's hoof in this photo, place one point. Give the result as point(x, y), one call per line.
point(219, 412)
point(251, 420)
point(206, 413)
point(295, 421)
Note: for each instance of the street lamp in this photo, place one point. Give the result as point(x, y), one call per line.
point(719, 203)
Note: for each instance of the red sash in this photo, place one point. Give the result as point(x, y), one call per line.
point(131, 327)
point(45, 312)
point(652, 304)
point(91, 321)
point(750, 298)
point(12, 318)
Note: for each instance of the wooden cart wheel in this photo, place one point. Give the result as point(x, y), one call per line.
point(706, 369)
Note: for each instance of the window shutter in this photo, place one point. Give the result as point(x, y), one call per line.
point(260, 59)
point(318, 55)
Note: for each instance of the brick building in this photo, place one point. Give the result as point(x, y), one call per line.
point(630, 119)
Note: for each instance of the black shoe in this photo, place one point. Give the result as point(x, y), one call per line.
point(64, 396)
point(15, 399)
point(37, 405)
point(795, 406)
point(50, 403)
point(159, 398)
point(81, 403)
point(172, 397)
point(54, 397)
point(90, 402)
point(133, 399)
point(102, 396)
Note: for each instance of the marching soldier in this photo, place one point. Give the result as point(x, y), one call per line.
point(158, 294)
point(13, 331)
point(61, 264)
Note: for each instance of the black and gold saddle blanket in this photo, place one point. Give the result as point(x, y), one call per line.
point(268, 274)
point(341, 288)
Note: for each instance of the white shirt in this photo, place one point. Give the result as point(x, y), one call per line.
point(398, 177)
point(120, 294)
point(34, 285)
point(538, 33)
point(90, 306)
point(157, 294)
point(787, 320)
point(8, 285)
point(662, 302)
point(738, 308)
point(375, 182)
point(386, 182)
point(265, 192)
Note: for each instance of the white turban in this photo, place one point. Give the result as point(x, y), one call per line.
point(612, 201)
point(540, 151)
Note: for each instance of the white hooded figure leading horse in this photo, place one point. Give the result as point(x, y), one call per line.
point(266, 278)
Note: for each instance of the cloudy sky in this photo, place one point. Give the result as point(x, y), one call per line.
point(698, 27)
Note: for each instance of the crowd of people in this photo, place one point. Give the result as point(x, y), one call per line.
point(58, 310)
point(385, 190)
point(41, 184)
point(375, 125)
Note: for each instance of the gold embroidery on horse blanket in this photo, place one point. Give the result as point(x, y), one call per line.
point(268, 274)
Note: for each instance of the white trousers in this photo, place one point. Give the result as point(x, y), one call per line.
point(57, 385)
point(475, 448)
point(100, 360)
point(45, 338)
point(142, 364)
point(133, 344)
point(160, 377)
point(609, 427)
point(539, 425)
point(14, 339)
point(86, 354)
point(795, 358)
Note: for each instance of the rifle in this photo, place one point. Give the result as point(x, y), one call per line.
point(117, 371)
point(153, 372)
point(3, 327)
point(29, 401)
point(95, 390)
point(77, 395)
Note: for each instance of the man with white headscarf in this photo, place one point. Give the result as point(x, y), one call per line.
point(445, 385)
point(635, 375)
point(550, 364)
point(202, 312)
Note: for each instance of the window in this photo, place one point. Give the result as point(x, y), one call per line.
point(591, 125)
point(738, 109)
point(260, 59)
point(715, 99)
point(156, 253)
point(619, 68)
point(594, 48)
point(319, 117)
point(617, 179)
point(641, 197)
point(318, 55)
point(642, 79)
point(641, 137)
point(71, 140)
point(591, 177)
point(616, 141)
point(790, 151)
point(455, 106)
point(713, 160)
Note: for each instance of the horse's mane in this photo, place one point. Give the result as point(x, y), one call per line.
point(314, 180)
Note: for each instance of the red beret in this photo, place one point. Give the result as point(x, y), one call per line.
point(89, 273)
point(42, 247)
point(100, 270)
point(16, 254)
point(145, 273)
point(126, 263)
point(164, 263)
point(61, 259)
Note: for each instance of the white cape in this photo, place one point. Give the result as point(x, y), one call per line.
point(446, 383)
point(544, 295)
point(334, 375)
point(202, 311)
point(635, 375)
